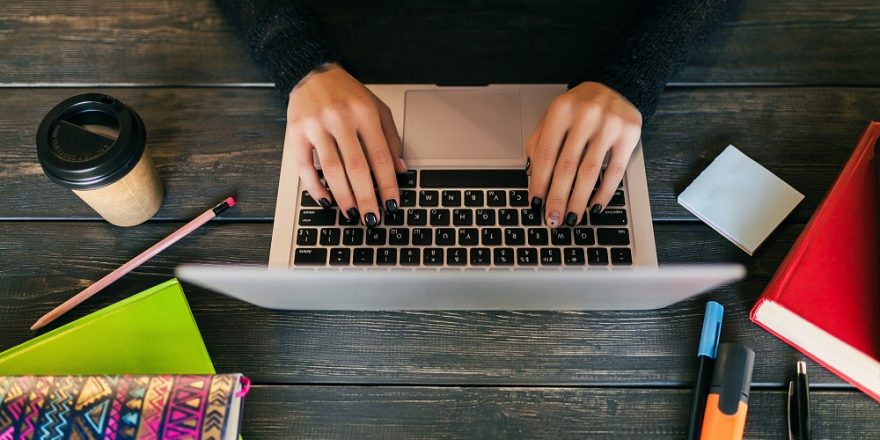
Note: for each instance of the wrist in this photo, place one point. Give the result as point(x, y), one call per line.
point(323, 68)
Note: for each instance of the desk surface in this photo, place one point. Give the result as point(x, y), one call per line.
point(792, 83)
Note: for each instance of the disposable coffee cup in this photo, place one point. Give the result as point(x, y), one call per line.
point(95, 145)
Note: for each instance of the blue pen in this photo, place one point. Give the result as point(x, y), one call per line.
point(706, 352)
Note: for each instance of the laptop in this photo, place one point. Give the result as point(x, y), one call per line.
point(464, 236)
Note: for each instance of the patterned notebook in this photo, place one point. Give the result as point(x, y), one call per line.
point(121, 407)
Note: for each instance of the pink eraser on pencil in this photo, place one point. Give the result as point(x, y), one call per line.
point(230, 201)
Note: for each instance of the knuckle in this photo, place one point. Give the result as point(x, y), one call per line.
point(566, 166)
point(588, 170)
point(356, 164)
point(545, 151)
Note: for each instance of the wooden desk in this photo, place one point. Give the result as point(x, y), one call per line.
point(790, 82)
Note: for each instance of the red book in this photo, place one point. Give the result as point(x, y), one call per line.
point(824, 299)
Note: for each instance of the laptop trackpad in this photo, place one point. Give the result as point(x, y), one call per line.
point(462, 124)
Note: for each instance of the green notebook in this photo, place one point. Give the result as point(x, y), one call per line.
point(152, 332)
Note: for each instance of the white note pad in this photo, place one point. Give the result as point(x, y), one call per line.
point(740, 199)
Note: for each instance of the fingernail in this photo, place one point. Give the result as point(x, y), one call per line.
point(391, 205)
point(528, 164)
point(571, 218)
point(597, 208)
point(324, 203)
point(536, 203)
point(401, 163)
point(352, 213)
point(553, 219)
point(370, 220)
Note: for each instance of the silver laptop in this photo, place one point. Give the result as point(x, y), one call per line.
point(464, 236)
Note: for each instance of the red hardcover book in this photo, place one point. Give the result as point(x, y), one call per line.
point(824, 299)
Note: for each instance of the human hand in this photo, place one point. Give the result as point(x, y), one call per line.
point(569, 146)
point(353, 132)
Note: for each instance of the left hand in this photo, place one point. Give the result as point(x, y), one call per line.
point(569, 145)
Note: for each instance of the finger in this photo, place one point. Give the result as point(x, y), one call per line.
point(617, 163)
point(381, 162)
point(544, 157)
point(532, 143)
point(564, 173)
point(331, 165)
point(305, 166)
point(392, 138)
point(588, 172)
point(357, 169)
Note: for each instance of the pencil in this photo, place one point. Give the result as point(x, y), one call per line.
point(132, 264)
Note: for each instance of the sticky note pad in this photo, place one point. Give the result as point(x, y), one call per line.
point(740, 199)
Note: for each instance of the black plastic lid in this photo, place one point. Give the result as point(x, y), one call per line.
point(89, 141)
point(732, 377)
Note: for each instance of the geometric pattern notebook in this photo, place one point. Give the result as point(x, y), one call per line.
point(121, 407)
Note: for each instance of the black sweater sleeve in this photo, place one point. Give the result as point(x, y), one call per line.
point(656, 47)
point(283, 35)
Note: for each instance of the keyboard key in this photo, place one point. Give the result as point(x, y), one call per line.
point(410, 256)
point(468, 236)
point(529, 217)
point(474, 179)
point(508, 217)
point(428, 198)
point(584, 218)
point(363, 257)
point(407, 179)
point(456, 256)
point(330, 236)
point(573, 256)
point(551, 257)
point(451, 198)
point(537, 237)
point(486, 217)
point(306, 237)
point(503, 256)
point(340, 256)
point(490, 236)
point(496, 198)
point(398, 236)
point(444, 236)
point(422, 237)
point(561, 236)
point(433, 257)
point(394, 218)
point(609, 217)
point(306, 201)
point(417, 217)
point(514, 237)
point(386, 257)
point(407, 198)
point(527, 257)
point(347, 222)
point(440, 217)
point(597, 256)
point(621, 257)
point(584, 237)
point(317, 217)
point(613, 236)
point(310, 257)
point(519, 198)
point(462, 217)
point(473, 198)
point(480, 256)
point(376, 237)
point(617, 199)
point(352, 236)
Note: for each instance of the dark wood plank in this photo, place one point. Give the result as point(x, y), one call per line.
point(47, 262)
point(319, 412)
point(212, 142)
point(185, 42)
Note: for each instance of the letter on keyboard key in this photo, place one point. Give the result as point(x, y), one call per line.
point(407, 179)
point(376, 237)
point(519, 198)
point(473, 198)
point(508, 217)
point(514, 237)
point(584, 237)
point(456, 256)
point(609, 217)
point(422, 236)
point(417, 217)
point(407, 198)
point(468, 236)
point(317, 217)
point(444, 236)
point(393, 218)
point(340, 257)
point(439, 217)
point(410, 257)
point(496, 198)
point(486, 217)
point(398, 236)
point(537, 237)
point(480, 256)
point(613, 236)
point(530, 217)
point(307, 201)
point(462, 217)
point(451, 198)
point(550, 257)
point(433, 257)
point(310, 257)
point(617, 199)
point(363, 257)
point(491, 236)
point(561, 236)
point(429, 198)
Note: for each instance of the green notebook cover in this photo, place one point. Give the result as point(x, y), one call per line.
point(152, 332)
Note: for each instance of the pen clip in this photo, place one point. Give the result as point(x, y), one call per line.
point(792, 412)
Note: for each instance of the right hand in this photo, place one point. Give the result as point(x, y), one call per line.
point(353, 132)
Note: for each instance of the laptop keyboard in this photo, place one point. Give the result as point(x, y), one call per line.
point(462, 219)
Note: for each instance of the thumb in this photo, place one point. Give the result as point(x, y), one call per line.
point(393, 139)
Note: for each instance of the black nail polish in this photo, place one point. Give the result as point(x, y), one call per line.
point(352, 213)
point(571, 218)
point(597, 208)
point(370, 220)
point(528, 164)
point(324, 203)
point(391, 205)
point(536, 203)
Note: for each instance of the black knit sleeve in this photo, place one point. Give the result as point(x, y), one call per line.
point(655, 47)
point(283, 35)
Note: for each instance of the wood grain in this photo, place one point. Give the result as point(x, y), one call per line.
point(46, 262)
point(187, 42)
point(389, 412)
point(212, 142)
